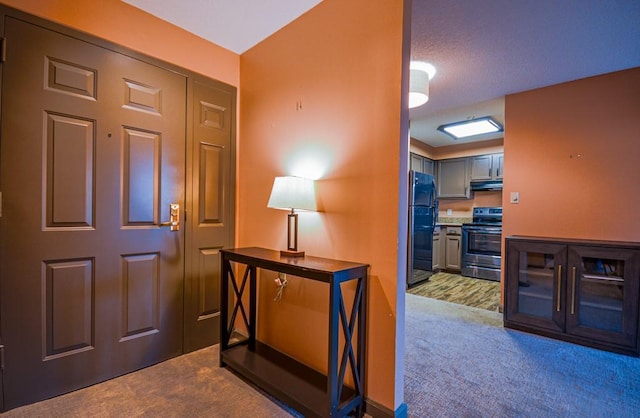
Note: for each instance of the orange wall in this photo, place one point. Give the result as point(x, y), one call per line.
point(572, 151)
point(126, 25)
point(325, 92)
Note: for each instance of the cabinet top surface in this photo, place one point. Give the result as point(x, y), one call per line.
point(274, 257)
point(574, 241)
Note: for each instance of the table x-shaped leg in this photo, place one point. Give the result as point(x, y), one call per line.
point(348, 355)
point(238, 306)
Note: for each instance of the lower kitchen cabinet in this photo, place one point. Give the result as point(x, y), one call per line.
point(453, 246)
point(580, 291)
point(437, 264)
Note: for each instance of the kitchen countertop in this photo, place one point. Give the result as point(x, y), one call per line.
point(452, 220)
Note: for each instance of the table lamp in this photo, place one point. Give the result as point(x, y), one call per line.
point(292, 193)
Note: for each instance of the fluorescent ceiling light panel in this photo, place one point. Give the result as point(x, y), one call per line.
point(471, 127)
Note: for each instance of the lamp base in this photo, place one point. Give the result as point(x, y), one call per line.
point(289, 253)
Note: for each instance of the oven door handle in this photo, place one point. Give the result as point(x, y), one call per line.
point(485, 229)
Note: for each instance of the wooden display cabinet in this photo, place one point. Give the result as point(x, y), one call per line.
point(580, 291)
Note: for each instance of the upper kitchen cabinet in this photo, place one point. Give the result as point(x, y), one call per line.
point(422, 164)
point(487, 167)
point(453, 178)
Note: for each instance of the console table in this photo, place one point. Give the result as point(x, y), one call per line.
point(305, 389)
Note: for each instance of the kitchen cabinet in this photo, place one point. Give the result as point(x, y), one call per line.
point(428, 166)
point(438, 249)
point(453, 245)
point(453, 178)
point(580, 291)
point(422, 164)
point(487, 167)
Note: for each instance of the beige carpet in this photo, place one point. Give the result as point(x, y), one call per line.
point(188, 386)
point(478, 293)
point(461, 362)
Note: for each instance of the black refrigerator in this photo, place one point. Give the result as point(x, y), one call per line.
point(423, 211)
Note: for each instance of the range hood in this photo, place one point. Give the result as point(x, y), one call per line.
point(486, 185)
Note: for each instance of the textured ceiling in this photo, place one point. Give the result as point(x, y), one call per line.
point(482, 49)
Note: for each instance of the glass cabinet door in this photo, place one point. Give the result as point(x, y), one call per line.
point(537, 298)
point(600, 285)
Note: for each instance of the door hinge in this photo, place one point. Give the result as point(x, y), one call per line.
point(0, 204)
point(3, 49)
point(2, 357)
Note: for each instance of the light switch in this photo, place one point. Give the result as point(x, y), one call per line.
point(515, 197)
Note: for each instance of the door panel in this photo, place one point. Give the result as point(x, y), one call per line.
point(141, 177)
point(68, 307)
point(93, 153)
point(69, 165)
point(210, 224)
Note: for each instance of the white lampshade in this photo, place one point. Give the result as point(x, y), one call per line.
point(293, 193)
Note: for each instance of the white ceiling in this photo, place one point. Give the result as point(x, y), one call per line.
point(236, 25)
point(483, 50)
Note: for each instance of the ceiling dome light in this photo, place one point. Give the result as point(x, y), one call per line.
point(419, 76)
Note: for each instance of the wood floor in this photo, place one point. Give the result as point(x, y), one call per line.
point(479, 293)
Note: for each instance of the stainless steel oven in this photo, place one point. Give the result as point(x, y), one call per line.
point(481, 244)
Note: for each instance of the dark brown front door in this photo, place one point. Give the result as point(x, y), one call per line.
point(92, 155)
point(210, 222)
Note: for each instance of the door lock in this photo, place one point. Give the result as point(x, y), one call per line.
point(174, 218)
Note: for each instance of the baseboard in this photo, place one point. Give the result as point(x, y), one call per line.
point(376, 410)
